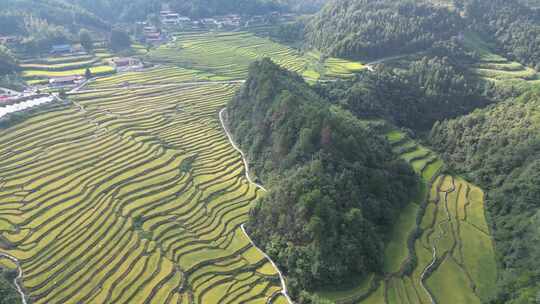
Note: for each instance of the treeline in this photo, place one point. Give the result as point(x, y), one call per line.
point(425, 91)
point(15, 13)
point(499, 148)
point(132, 10)
point(42, 24)
point(121, 10)
point(8, 63)
point(335, 186)
point(513, 26)
point(379, 28)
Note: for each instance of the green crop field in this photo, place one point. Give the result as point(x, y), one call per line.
point(132, 195)
point(39, 70)
point(453, 224)
point(496, 68)
point(228, 54)
point(154, 76)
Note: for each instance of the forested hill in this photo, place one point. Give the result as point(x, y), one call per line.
point(429, 89)
point(499, 148)
point(379, 28)
point(513, 26)
point(130, 10)
point(334, 183)
point(24, 17)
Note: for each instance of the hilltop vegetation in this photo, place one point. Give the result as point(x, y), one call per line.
point(15, 14)
point(427, 90)
point(499, 148)
point(8, 62)
point(514, 27)
point(333, 182)
point(372, 29)
point(131, 10)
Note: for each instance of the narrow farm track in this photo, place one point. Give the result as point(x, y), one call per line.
point(246, 164)
point(132, 196)
point(19, 276)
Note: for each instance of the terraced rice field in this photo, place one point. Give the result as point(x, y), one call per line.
point(228, 54)
point(156, 76)
point(38, 71)
point(455, 259)
point(496, 68)
point(454, 251)
point(131, 196)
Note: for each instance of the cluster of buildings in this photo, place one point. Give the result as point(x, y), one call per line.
point(171, 19)
point(152, 34)
point(8, 95)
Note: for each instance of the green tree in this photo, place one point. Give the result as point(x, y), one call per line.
point(8, 63)
point(88, 73)
point(86, 40)
point(120, 40)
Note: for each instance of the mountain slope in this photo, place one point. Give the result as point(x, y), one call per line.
point(15, 13)
point(372, 29)
point(334, 184)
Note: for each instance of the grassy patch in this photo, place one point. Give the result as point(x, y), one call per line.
point(396, 250)
point(358, 287)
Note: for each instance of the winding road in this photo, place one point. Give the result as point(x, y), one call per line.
point(19, 276)
point(284, 291)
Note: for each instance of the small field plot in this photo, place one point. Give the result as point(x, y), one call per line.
point(131, 195)
point(325, 68)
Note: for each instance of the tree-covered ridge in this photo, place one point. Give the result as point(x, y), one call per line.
point(16, 14)
point(335, 185)
point(499, 148)
point(130, 10)
point(514, 27)
point(427, 90)
point(373, 29)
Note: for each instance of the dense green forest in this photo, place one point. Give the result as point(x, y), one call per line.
point(131, 10)
point(513, 26)
point(16, 14)
point(373, 29)
point(427, 90)
point(45, 23)
point(8, 62)
point(499, 148)
point(8, 294)
point(334, 183)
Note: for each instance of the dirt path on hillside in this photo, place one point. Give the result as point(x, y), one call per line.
point(229, 136)
point(19, 276)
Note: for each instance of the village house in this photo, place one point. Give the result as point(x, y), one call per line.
point(61, 49)
point(125, 62)
point(170, 19)
point(8, 39)
point(209, 21)
point(60, 82)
